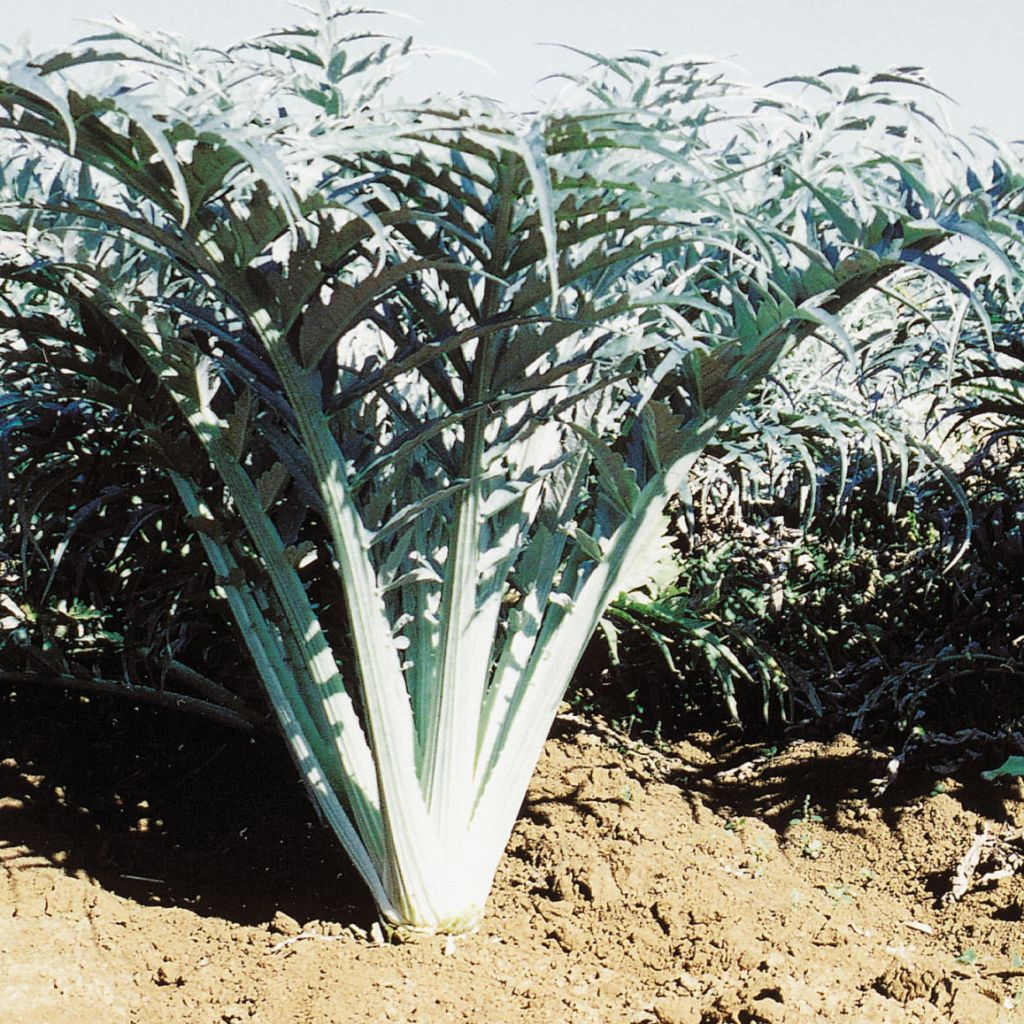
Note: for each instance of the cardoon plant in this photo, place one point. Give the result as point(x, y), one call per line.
point(425, 378)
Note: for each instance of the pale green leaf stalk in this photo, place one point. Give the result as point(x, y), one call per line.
point(427, 380)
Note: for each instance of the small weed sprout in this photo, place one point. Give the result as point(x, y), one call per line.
point(839, 894)
point(803, 823)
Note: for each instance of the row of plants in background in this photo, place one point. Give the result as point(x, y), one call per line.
point(103, 586)
point(756, 612)
point(427, 382)
point(851, 550)
point(872, 616)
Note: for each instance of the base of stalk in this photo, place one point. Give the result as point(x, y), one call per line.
point(464, 924)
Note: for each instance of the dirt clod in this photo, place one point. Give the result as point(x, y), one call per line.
point(678, 1010)
point(283, 924)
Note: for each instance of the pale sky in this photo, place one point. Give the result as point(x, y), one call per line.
point(972, 51)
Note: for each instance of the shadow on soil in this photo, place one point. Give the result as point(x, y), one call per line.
point(171, 810)
point(755, 780)
point(751, 781)
point(168, 810)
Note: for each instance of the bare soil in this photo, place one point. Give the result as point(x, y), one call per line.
point(155, 869)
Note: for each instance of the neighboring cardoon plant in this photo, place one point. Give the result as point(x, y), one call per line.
point(426, 379)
